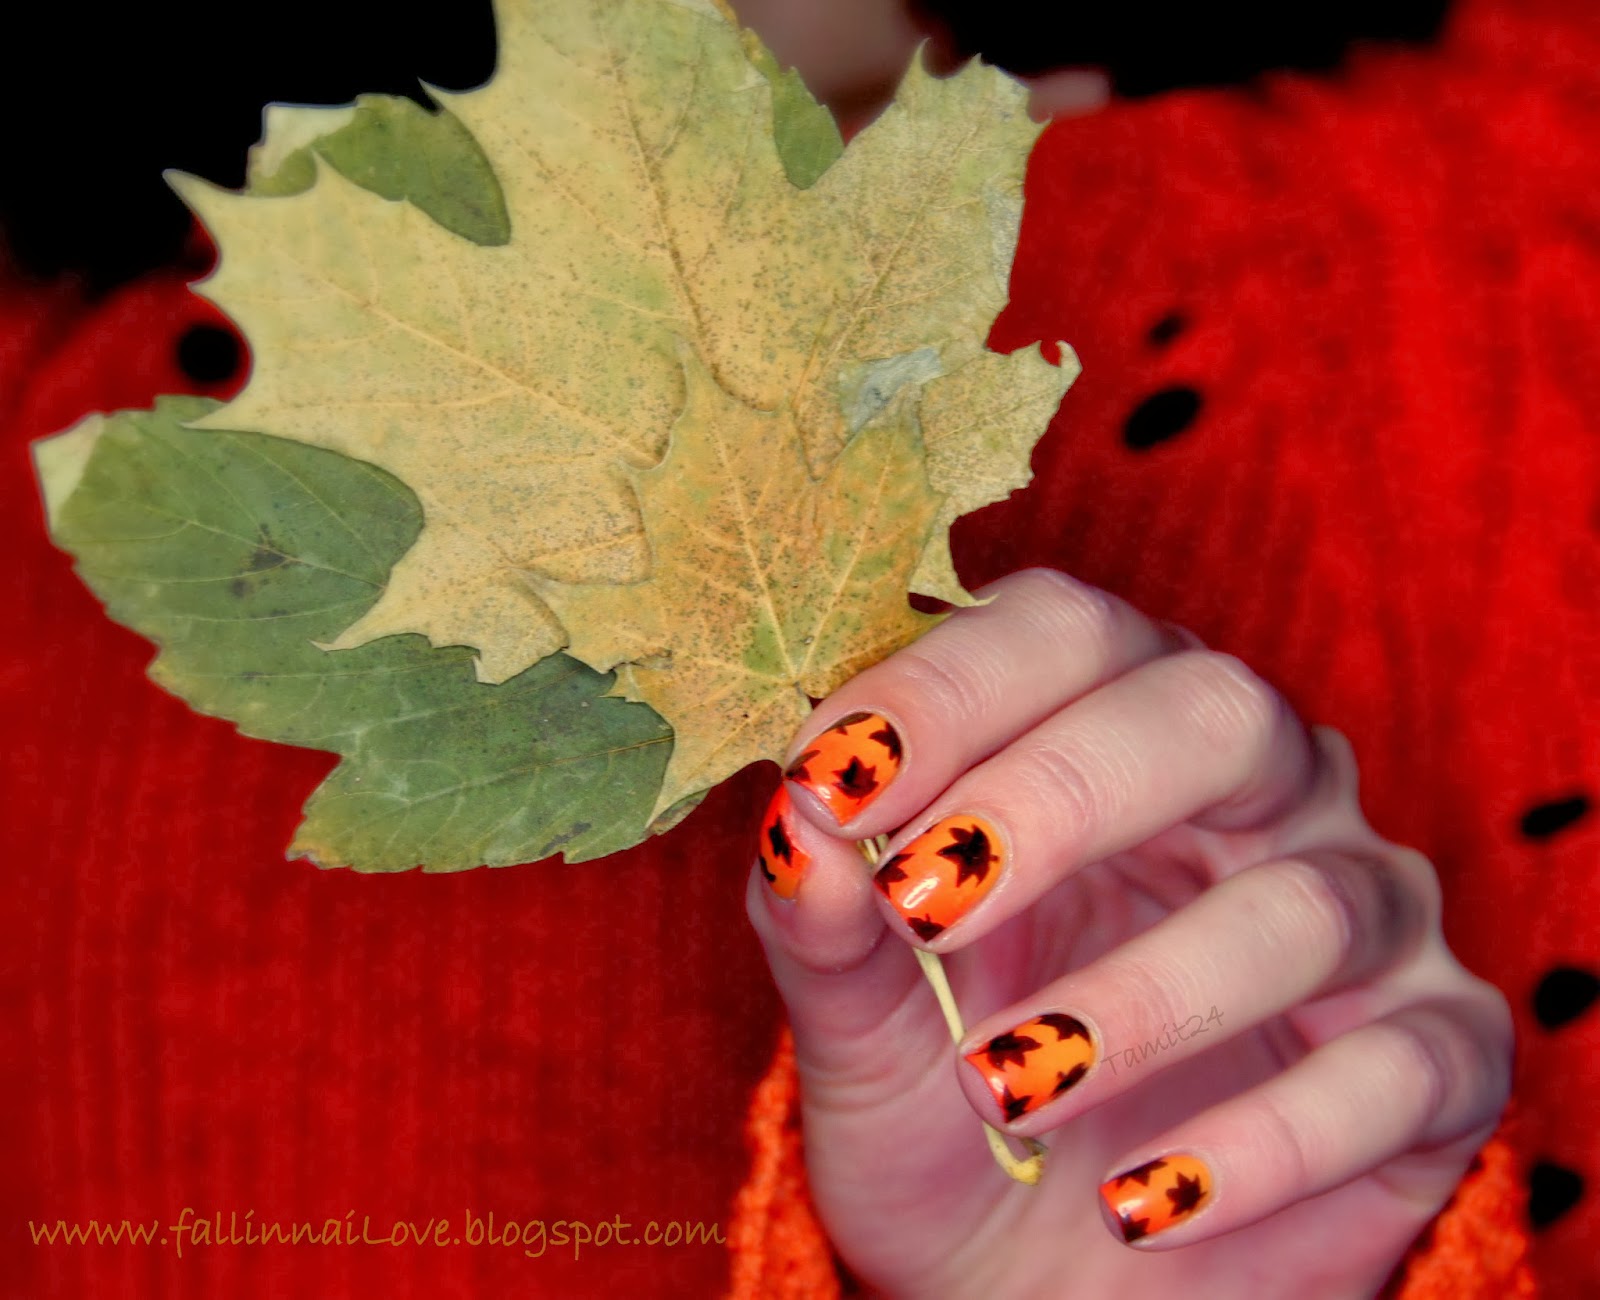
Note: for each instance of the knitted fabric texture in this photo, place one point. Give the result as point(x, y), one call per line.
point(1341, 342)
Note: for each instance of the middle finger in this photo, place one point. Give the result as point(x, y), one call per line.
point(890, 739)
point(1177, 737)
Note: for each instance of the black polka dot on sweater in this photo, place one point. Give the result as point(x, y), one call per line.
point(1564, 994)
point(208, 354)
point(1552, 1191)
point(1161, 416)
point(1166, 329)
point(1545, 819)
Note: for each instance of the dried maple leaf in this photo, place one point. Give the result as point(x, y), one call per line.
point(767, 586)
point(515, 388)
point(480, 321)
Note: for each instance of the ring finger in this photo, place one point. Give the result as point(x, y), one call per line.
point(1260, 944)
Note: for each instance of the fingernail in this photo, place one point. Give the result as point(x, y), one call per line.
point(850, 764)
point(1156, 1195)
point(1034, 1063)
point(782, 861)
point(936, 878)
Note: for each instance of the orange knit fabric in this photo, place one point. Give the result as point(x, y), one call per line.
point(780, 1251)
point(1474, 1249)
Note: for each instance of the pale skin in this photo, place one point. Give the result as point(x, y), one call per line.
point(1176, 842)
point(1185, 869)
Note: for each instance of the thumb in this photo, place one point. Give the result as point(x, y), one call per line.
point(882, 1102)
point(837, 967)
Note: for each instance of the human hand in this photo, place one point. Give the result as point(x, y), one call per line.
point(1175, 939)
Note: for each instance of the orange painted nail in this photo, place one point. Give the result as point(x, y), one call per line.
point(850, 764)
point(934, 880)
point(1034, 1063)
point(782, 861)
point(1157, 1194)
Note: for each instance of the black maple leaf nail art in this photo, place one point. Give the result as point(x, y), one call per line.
point(1012, 1105)
point(856, 779)
point(926, 927)
point(889, 738)
point(1141, 1175)
point(1132, 1228)
point(1066, 1078)
point(849, 720)
point(1065, 1026)
point(1186, 1194)
point(778, 837)
point(891, 873)
point(761, 859)
point(970, 849)
point(1009, 1047)
point(797, 770)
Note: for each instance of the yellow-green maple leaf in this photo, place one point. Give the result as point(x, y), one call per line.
point(516, 389)
point(767, 586)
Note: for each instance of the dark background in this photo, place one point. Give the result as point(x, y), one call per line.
point(98, 99)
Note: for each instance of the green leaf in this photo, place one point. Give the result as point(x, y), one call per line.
point(805, 133)
point(238, 552)
point(395, 149)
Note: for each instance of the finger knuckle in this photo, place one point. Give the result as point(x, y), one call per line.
point(1067, 611)
point(1482, 1016)
point(1286, 1143)
point(1355, 910)
point(1328, 913)
point(1229, 705)
point(1180, 637)
point(955, 686)
point(1337, 751)
point(1497, 1011)
point(1496, 1040)
point(1486, 1049)
point(1421, 879)
point(1056, 773)
point(1425, 1059)
point(1452, 1062)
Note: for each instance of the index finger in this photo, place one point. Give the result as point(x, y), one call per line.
point(882, 746)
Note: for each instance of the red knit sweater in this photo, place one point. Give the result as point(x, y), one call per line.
point(1338, 415)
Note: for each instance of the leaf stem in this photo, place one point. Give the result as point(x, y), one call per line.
point(1024, 1170)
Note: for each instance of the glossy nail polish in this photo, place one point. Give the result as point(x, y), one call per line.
point(1157, 1194)
point(1034, 1063)
point(783, 862)
point(850, 764)
point(935, 879)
